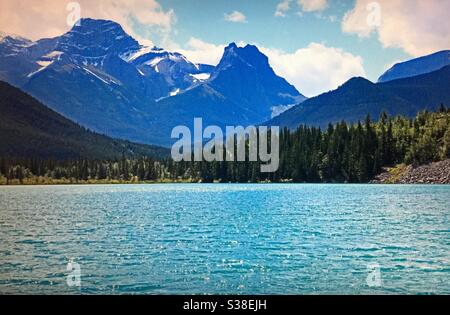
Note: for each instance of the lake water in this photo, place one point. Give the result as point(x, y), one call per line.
point(226, 239)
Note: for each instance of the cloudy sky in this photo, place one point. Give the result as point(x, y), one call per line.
point(315, 44)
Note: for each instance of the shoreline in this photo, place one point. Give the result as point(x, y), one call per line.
point(432, 173)
point(436, 173)
point(212, 183)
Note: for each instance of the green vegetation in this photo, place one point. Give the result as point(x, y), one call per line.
point(395, 173)
point(30, 129)
point(342, 153)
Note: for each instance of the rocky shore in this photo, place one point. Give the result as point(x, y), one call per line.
point(433, 173)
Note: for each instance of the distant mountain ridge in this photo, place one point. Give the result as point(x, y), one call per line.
point(103, 79)
point(242, 90)
point(417, 66)
point(358, 97)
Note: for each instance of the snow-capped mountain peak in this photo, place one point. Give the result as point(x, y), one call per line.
point(248, 55)
point(13, 45)
point(14, 39)
point(105, 46)
point(97, 38)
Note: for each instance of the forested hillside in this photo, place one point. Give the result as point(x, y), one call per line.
point(28, 129)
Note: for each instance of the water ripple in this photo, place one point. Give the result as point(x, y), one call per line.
point(219, 239)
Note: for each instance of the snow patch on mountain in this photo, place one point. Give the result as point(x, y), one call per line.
point(154, 62)
point(101, 76)
point(278, 110)
point(53, 55)
point(175, 92)
point(201, 76)
point(44, 64)
point(132, 55)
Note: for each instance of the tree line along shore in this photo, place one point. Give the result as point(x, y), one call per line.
point(385, 151)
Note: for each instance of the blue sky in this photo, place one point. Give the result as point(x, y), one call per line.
point(316, 45)
point(204, 19)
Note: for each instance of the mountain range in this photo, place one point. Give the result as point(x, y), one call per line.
point(99, 77)
point(358, 97)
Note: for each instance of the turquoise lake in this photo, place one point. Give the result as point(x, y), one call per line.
point(226, 239)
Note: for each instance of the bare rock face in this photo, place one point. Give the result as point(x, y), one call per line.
point(433, 173)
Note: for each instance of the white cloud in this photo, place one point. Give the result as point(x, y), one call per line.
point(418, 27)
point(199, 51)
point(305, 6)
point(282, 8)
point(316, 68)
point(236, 17)
point(313, 5)
point(48, 18)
